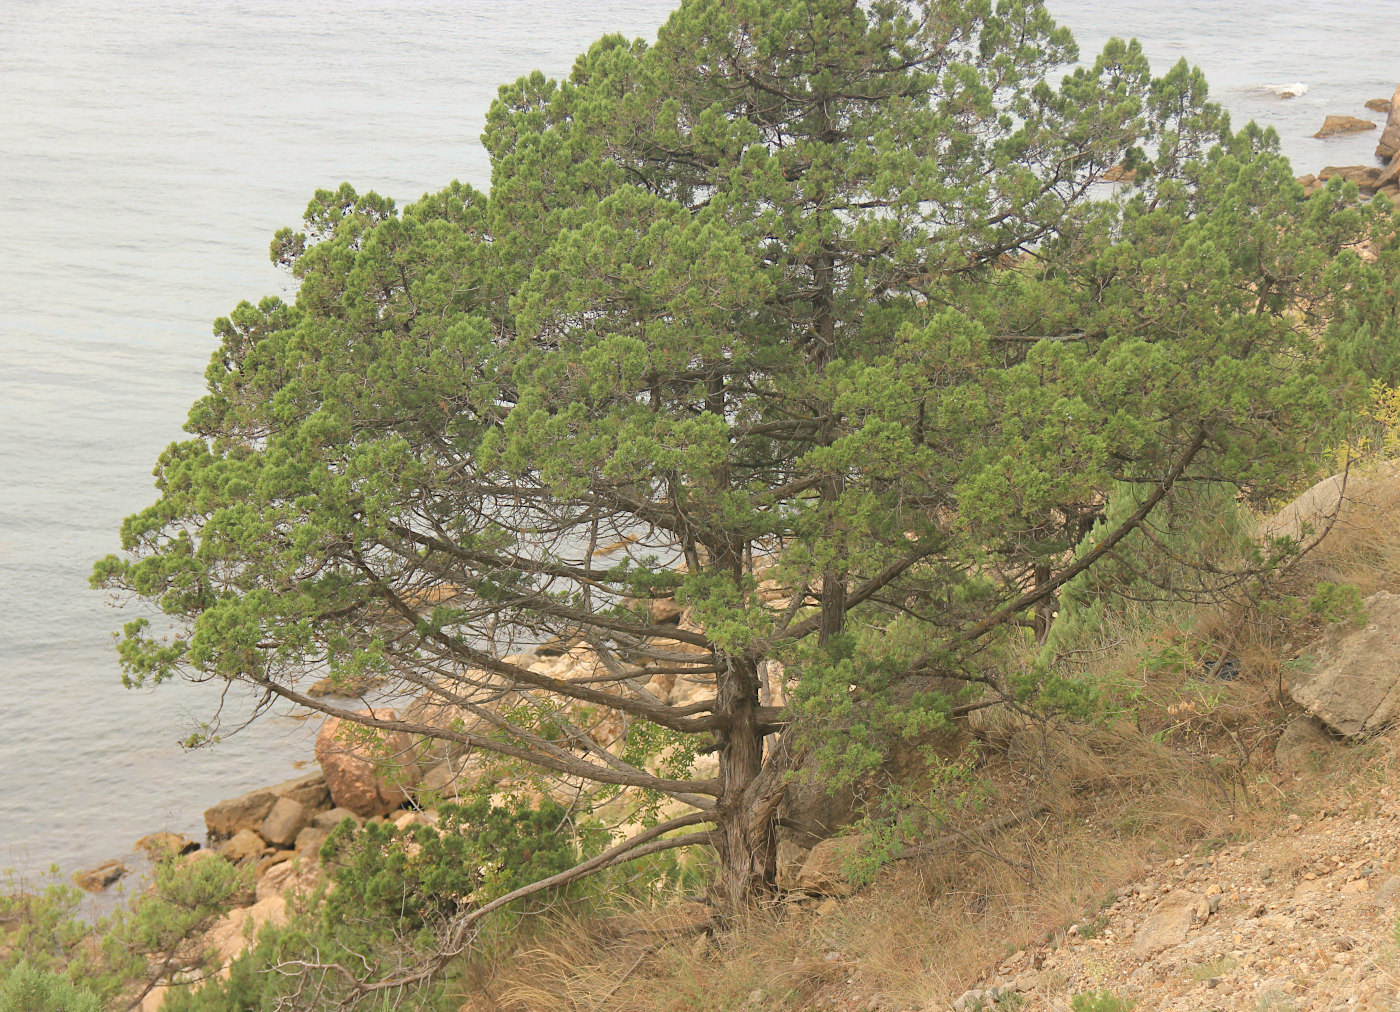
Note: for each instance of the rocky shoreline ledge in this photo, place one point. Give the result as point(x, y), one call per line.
point(1371, 179)
point(278, 830)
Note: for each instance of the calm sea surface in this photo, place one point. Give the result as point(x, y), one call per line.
point(147, 153)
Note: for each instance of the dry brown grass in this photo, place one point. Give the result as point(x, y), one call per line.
point(928, 928)
point(1189, 761)
point(1352, 530)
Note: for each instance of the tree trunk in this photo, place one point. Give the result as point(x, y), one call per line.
point(1044, 608)
point(746, 811)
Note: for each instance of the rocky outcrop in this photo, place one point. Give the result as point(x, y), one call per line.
point(1390, 175)
point(369, 777)
point(1337, 126)
point(449, 781)
point(823, 871)
point(94, 880)
point(1354, 684)
point(812, 810)
point(1303, 745)
point(1339, 503)
point(1368, 177)
point(244, 845)
point(284, 822)
point(1389, 145)
point(664, 611)
point(328, 820)
point(1168, 923)
point(163, 845)
point(247, 811)
point(1378, 104)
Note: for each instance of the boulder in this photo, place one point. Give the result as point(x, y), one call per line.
point(1389, 145)
point(1378, 104)
point(1354, 684)
point(160, 845)
point(664, 611)
point(1337, 126)
point(1302, 745)
point(823, 873)
point(1390, 175)
point(1169, 922)
point(94, 880)
point(1368, 177)
point(309, 842)
point(430, 709)
point(278, 878)
point(328, 820)
point(245, 845)
point(449, 780)
point(791, 857)
point(277, 857)
point(1345, 502)
point(247, 811)
point(233, 933)
point(812, 811)
point(310, 791)
point(367, 776)
point(284, 822)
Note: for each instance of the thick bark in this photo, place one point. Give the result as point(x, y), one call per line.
point(1045, 607)
point(747, 837)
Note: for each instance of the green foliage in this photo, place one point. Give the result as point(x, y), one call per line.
point(1100, 1001)
point(42, 929)
point(912, 811)
point(26, 988)
point(413, 879)
point(831, 287)
point(389, 901)
point(1092, 928)
point(1338, 602)
point(113, 955)
point(184, 897)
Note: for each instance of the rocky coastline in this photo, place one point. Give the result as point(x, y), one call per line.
point(1383, 178)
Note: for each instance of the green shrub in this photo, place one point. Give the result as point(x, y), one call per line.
point(390, 898)
point(113, 956)
point(27, 988)
point(1100, 1001)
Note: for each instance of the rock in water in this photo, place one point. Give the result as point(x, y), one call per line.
point(1378, 104)
point(1336, 126)
point(367, 777)
point(1354, 686)
point(160, 845)
point(247, 811)
point(1389, 145)
point(94, 880)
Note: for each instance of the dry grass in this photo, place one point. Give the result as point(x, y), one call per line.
point(928, 928)
point(1189, 761)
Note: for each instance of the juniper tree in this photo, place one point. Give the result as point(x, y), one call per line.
point(877, 295)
